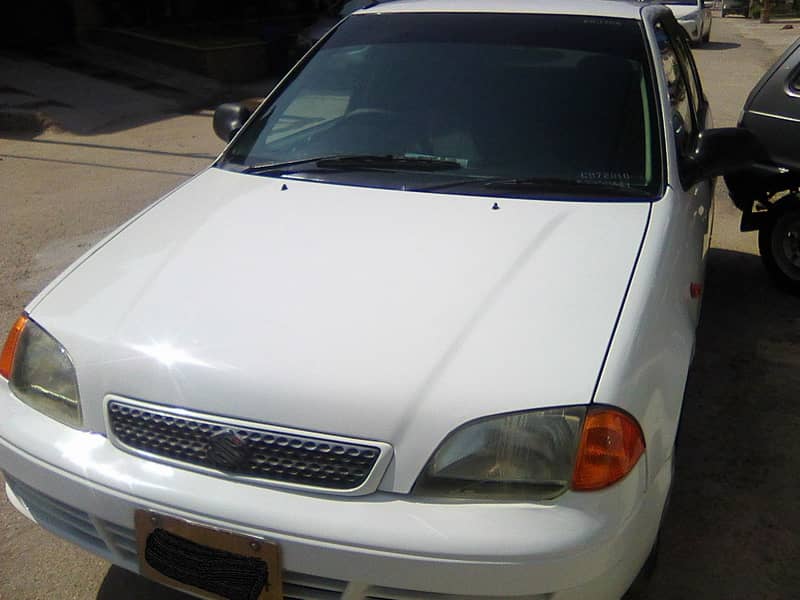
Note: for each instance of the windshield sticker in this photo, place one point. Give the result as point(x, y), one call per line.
point(621, 178)
point(606, 22)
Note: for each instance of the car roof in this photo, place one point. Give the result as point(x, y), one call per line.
point(623, 9)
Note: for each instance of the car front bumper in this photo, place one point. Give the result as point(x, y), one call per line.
point(385, 546)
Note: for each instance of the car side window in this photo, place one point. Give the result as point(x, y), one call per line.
point(689, 67)
point(683, 114)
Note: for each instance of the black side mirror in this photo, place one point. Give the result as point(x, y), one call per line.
point(720, 151)
point(228, 119)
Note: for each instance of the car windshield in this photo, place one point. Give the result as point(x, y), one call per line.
point(466, 103)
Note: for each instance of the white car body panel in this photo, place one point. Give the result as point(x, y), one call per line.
point(660, 316)
point(681, 10)
point(456, 310)
point(697, 27)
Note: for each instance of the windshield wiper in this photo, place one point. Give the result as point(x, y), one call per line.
point(554, 183)
point(281, 165)
point(359, 161)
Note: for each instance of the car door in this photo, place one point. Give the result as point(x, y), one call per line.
point(689, 116)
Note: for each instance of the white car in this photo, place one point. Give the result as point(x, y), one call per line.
point(694, 16)
point(421, 331)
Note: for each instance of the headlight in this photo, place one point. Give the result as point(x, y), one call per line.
point(41, 373)
point(520, 456)
point(534, 455)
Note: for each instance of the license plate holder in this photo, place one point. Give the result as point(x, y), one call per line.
point(203, 560)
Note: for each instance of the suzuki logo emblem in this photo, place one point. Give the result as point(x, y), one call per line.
point(226, 450)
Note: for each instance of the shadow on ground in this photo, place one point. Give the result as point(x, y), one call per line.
point(120, 584)
point(720, 45)
point(733, 529)
point(93, 90)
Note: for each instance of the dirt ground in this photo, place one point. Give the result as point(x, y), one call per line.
point(733, 527)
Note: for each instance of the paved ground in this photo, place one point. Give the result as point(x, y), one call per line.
point(88, 90)
point(732, 529)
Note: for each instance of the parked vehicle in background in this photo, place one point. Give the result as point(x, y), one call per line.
point(422, 331)
point(735, 7)
point(694, 16)
point(769, 193)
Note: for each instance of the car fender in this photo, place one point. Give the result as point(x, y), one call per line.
point(648, 360)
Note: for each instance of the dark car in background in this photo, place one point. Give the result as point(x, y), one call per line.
point(768, 193)
point(735, 7)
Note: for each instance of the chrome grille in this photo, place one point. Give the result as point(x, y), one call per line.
point(269, 455)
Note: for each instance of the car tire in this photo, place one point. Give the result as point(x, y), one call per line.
point(723, 14)
point(779, 244)
point(707, 37)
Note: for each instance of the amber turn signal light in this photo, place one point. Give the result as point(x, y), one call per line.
point(611, 444)
point(7, 357)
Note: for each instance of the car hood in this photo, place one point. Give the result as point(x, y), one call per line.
point(376, 314)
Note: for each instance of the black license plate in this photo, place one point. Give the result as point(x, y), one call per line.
point(209, 562)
